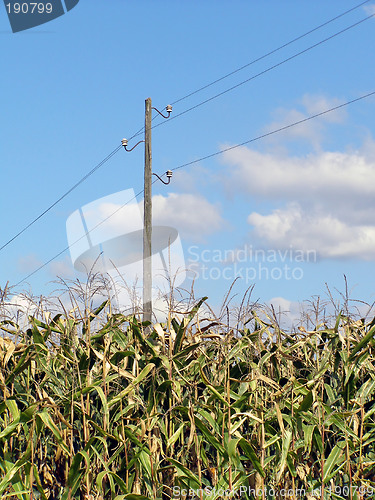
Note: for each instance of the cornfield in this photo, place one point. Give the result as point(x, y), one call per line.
point(103, 406)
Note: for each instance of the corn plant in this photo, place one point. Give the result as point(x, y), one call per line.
point(103, 406)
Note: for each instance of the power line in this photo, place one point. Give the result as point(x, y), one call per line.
point(264, 56)
point(311, 117)
point(270, 53)
point(100, 164)
point(253, 62)
point(267, 70)
point(203, 102)
point(79, 239)
point(208, 100)
point(275, 131)
point(62, 197)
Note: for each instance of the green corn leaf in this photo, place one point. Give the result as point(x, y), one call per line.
point(171, 441)
point(14, 470)
point(75, 473)
point(94, 385)
point(248, 450)
point(186, 351)
point(210, 419)
point(218, 395)
point(145, 460)
point(101, 476)
point(362, 343)
point(308, 431)
point(22, 418)
point(232, 448)
point(37, 336)
point(181, 329)
point(97, 311)
point(146, 370)
point(45, 417)
point(209, 436)
point(13, 408)
point(335, 458)
point(339, 420)
point(284, 453)
point(22, 364)
point(132, 496)
point(142, 340)
point(183, 472)
point(306, 402)
point(103, 399)
point(18, 492)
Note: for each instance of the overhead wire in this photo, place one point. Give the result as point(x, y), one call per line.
point(267, 70)
point(78, 183)
point(86, 176)
point(260, 59)
point(100, 164)
point(281, 129)
point(270, 53)
point(79, 239)
point(222, 151)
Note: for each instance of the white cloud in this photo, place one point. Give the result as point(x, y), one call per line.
point(369, 9)
point(316, 311)
point(193, 216)
point(62, 268)
point(333, 174)
point(22, 303)
point(328, 199)
point(310, 130)
point(315, 104)
point(328, 235)
point(28, 263)
point(287, 312)
point(118, 217)
point(280, 304)
point(190, 180)
point(19, 308)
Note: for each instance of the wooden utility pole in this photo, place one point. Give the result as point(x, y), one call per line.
point(147, 205)
point(147, 227)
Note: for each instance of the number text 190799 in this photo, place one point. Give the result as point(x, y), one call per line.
point(29, 8)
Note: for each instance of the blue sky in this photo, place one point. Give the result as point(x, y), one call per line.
point(73, 88)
